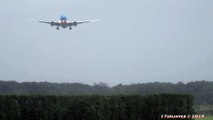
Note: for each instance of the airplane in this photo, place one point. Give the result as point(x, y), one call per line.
point(64, 23)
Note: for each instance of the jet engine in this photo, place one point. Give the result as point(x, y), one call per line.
point(52, 23)
point(75, 23)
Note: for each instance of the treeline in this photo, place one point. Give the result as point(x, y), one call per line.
point(201, 90)
point(119, 107)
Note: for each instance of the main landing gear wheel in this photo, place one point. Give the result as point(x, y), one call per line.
point(57, 28)
point(70, 28)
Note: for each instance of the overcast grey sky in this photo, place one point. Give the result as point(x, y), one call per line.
point(136, 41)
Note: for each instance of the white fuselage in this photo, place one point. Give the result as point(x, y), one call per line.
point(64, 23)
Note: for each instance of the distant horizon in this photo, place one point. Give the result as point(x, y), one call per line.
point(97, 83)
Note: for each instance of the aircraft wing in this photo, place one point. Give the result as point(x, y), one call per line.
point(87, 21)
point(52, 23)
point(44, 22)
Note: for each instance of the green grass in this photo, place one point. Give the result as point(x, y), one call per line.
point(206, 118)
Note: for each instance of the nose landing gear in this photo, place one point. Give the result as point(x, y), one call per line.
point(70, 28)
point(57, 28)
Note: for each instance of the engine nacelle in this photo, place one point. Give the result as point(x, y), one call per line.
point(52, 23)
point(75, 23)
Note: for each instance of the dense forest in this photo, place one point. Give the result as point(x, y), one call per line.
point(201, 90)
point(97, 107)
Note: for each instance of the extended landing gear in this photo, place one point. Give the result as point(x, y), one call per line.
point(57, 28)
point(70, 28)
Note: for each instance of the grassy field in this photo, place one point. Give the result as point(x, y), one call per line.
point(206, 110)
point(206, 118)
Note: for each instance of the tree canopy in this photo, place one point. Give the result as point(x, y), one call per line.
point(201, 90)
